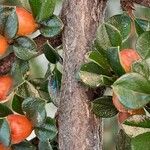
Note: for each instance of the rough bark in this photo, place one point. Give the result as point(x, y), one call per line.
point(79, 129)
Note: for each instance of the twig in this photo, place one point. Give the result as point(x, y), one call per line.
point(6, 63)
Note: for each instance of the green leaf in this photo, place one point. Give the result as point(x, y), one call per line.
point(42, 9)
point(11, 26)
point(8, 21)
point(96, 57)
point(138, 121)
point(27, 90)
point(4, 132)
point(114, 61)
point(17, 104)
point(25, 145)
point(5, 111)
point(108, 36)
point(123, 141)
point(47, 131)
point(94, 75)
point(35, 110)
point(24, 48)
point(51, 27)
point(142, 25)
point(133, 90)
point(141, 142)
point(42, 87)
point(142, 67)
point(143, 45)
point(50, 53)
point(103, 107)
point(44, 145)
point(18, 71)
point(123, 23)
point(54, 85)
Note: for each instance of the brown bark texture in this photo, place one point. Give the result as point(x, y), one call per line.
point(79, 129)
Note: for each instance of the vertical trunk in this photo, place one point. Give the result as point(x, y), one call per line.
point(79, 129)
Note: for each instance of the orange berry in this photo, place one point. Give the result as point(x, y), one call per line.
point(3, 45)
point(20, 128)
point(2, 147)
point(27, 24)
point(6, 83)
point(127, 58)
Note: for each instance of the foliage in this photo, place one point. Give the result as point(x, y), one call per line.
point(29, 96)
point(104, 68)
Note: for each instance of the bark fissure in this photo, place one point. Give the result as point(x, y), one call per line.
point(78, 128)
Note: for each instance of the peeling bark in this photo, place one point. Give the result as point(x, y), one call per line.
point(79, 129)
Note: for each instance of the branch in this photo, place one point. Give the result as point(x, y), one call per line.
point(128, 6)
point(145, 3)
point(6, 63)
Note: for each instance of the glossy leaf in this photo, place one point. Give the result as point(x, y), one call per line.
point(98, 58)
point(24, 48)
point(47, 131)
point(93, 75)
point(123, 23)
point(141, 142)
point(25, 145)
point(114, 61)
point(142, 67)
point(8, 21)
point(4, 132)
point(108, 36)
point(51, 27)
point(133, 90)
point(142, 25)
point(54, 85)
point(103, 107)
point(5, 111)
point(42, 9)
point(35, 110)
point(143, 45)
point(44, 145)
point(11, 26)
point(138, 121)
point(50, 53)
point(27, 90)
point(17, 104)
point(18, 71)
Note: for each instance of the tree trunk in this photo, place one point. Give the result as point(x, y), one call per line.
point(79, 129)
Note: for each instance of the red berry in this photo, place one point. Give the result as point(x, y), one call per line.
point(20, 128)
point(6, 83)
point(127, 58)
point(3, 45)
point(27, 24)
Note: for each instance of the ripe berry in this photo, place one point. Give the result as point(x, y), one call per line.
point(6, 83)
point(27, 24)
point(3, 45)
point(127, 58)
point(20, 127)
